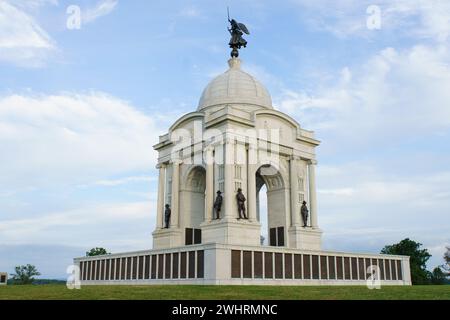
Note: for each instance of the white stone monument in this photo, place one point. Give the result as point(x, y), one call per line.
point(237, 140)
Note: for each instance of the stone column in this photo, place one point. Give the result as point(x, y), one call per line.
point(161, 188)
point(251, 182)
point(312, 193)
point(295, 212)
point(230, 203)
point(175, 193)
point(209, 191)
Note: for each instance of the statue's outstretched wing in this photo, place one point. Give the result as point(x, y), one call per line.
point(243, 28)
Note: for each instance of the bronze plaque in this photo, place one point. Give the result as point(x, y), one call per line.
point(288, 266)
point(183, 266)
point(307, 266)
point(188, 236)
point(268, 265)
point(362, 272)
point(129, 268)
point(108, 262)
point(280, 236)
point(141, 267)
point(399, 270)
point(339, 268)
point(97, 270)
point(247, 264)
point(323, 267)
point(273, 237)
point(297, 266)
point(168, 266)
point(197, 236)
point(175, 265)
point(331, 267)
point(387, 264)
point(135, 267)
point(278, 265)
point(191, 264)
point(354, 268)
point(102, 270)
point(258, 264)
point(160, 266)
point(347, 268)
point(315, 267)
point(381, 265)
point(88, 270)
point(82, 270)
point(200, 264)
point(147, 267)
point(122, 273)
point(394, 270)
point(117, 266)
point(235, 263)
point(153, 271)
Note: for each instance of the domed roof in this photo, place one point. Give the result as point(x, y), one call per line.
point(235, 87)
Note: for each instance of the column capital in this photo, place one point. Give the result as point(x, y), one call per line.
point(161, 166)
point(209, 148)
point(312, 162)
point(176, 161)
point(294, 157)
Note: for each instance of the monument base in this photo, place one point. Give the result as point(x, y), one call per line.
point(222, 264)
point(306, 238)
point(231, 231)
point(167, 238)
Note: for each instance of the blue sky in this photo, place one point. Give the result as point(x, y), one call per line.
point(81, 108)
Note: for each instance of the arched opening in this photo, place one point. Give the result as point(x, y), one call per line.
point(193, 202)
point(271, 205)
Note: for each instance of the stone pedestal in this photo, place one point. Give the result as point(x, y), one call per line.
point(231, 231)
point(305, 238)
point(167, 238)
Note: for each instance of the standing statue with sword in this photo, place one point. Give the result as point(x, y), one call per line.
point(237, 30)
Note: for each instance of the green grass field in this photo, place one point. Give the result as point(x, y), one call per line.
point(224, 292)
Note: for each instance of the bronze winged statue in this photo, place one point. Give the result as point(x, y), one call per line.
point(236, 42)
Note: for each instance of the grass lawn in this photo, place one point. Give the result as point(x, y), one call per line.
point(169, 292)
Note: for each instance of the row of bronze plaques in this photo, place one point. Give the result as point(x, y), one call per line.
point(270, 265)
point(176, 265)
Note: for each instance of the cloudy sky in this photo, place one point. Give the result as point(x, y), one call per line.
point(80, 109)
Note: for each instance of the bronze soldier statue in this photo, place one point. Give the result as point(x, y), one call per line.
point(304, 212)
point(218, 204)
point(241, 204)
point(167, 214)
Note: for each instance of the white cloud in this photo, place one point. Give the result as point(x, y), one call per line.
point(118, 182)
point(81, 225)
point(72, 138)
point(394, 93)
point(418, 18)
point(102, 8)
point(22, 40)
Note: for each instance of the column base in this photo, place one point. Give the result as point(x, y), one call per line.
point(231, 231)
point(167, 238)
point(305, 238)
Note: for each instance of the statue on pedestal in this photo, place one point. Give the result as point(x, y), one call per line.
point(236, 42)
point(304, 212)
point(167, 214)
point(241, 204)
point(218, 205)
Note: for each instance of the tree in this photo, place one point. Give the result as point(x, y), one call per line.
point(96, 252)
point(418, 258)
point(24, 274)
point(437, 276)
